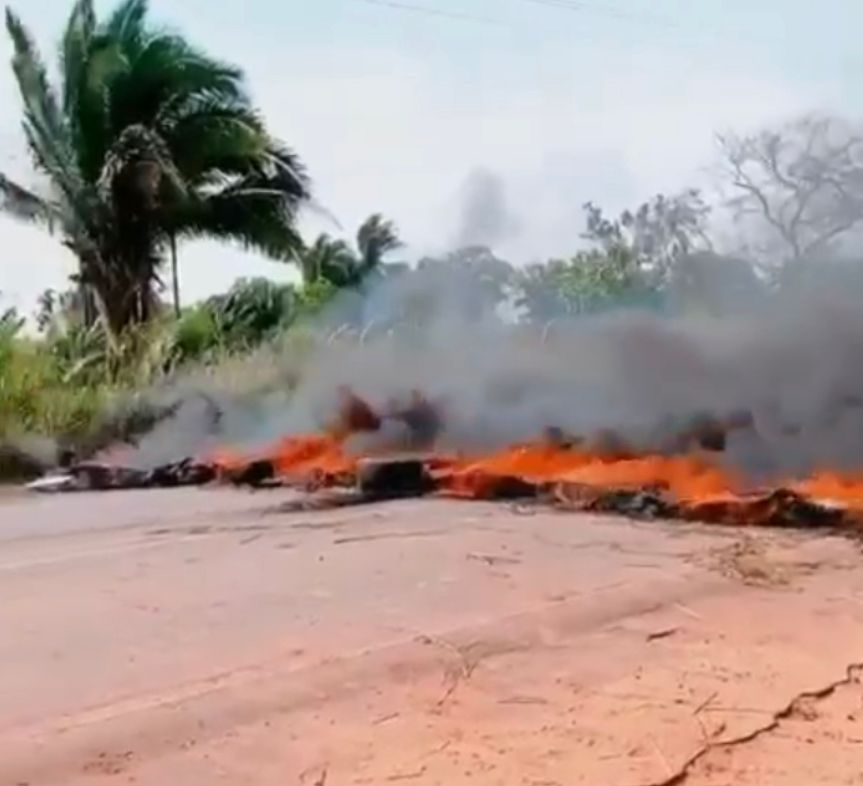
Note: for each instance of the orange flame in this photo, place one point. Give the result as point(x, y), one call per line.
point(691, 479)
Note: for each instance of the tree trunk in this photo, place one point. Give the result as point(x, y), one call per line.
point(88, 305)
point(86, 292)
point(175, 276)
point(120, 278)
point(126, 299)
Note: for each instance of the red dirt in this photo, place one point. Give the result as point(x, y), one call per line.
point(199, 638)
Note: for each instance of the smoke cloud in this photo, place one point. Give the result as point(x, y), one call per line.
point(794, 364)
point(485, 216)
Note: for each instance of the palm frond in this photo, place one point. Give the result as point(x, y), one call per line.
point(284, 170)
point(126, 26)
point(75, 51)
point(89, 116)
point(105, 54)
point(255, 218)
point(44, 125)
point(215, 134)
point(20, 202)
point(329, 259)
point(376, 237)
point(164, 75)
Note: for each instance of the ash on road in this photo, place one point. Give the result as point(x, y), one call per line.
point(205, 637)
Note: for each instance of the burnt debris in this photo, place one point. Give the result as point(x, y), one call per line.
point(638, 503)
point(256, 474)
point(422, 419)
point(355, 415)
point(96, 476)
point(702, 431)
point(393, 478)
point(781, 508)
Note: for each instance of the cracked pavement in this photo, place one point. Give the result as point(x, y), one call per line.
point(203, 637)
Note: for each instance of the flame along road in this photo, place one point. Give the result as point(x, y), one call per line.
point(203, 637)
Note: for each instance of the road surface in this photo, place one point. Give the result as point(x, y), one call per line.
point(203, 637)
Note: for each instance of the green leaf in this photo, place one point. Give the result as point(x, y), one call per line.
point(126, 25)
point(19, 202)
point(256, 218)
point(75, 51)
point(165, 74)
point(217, 135)
point(45, 127)
point(376, 238)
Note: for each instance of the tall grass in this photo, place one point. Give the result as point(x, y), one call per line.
point(43, 393)
point(85, 393)
point(78, 387)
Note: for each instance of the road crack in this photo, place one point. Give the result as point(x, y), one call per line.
point(468, 658)
point(682, 774)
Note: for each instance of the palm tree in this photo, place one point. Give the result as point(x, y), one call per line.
point(328, 259)
point(376, 238)
point(334, 260)
point(146, 142)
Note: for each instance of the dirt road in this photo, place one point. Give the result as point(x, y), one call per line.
point(205, 637)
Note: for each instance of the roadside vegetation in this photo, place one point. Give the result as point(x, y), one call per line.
point(147, 142)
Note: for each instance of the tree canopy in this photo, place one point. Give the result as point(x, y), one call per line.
point(145, 140)
point(800, 185)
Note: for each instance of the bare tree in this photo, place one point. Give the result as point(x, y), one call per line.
point(658, 234)
point(803, 183)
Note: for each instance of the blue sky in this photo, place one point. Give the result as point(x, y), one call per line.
point(553, 101)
